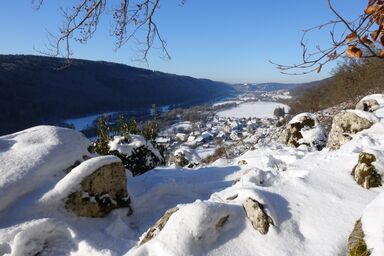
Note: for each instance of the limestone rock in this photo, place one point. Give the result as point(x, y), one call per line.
point(344, 125)
point(242, 162)
point(257, 215)
point(365, 173)
point(159, 225)
point(368, 105)
point(356, 243)
point(304, 129)
point(101, 192)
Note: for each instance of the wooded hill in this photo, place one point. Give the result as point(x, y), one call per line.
point(39, 90)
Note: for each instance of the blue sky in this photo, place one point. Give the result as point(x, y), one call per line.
point(224, 40)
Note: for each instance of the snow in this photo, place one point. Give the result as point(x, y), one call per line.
point(311, 197)
point(373, 225)
point(253, 109)
point(73, 179)
point(31, 158)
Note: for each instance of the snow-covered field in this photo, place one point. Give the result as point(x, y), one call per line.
point(310, 195)
point(258, 109)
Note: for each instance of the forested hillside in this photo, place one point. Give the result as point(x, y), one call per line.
point(37, 90)
point(350, 81)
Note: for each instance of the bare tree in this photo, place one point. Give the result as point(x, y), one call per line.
point(362, 37)
point(129, 18)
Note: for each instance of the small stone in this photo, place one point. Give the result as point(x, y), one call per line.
point(256, 214)
point(230, 198)
point(220, 224)
point(242, 162)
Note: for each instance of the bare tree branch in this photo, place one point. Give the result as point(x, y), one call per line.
point(129, 17)
point(346, 39)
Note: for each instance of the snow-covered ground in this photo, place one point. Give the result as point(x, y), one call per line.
point(258, 109)
point(311, 197)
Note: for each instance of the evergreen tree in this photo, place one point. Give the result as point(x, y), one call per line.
point(102, 130)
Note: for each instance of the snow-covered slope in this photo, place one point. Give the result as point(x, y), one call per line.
point(311, 197)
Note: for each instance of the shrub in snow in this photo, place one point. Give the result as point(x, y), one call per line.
point(304, 129)
point(219, 152)
point(279, 112)
point(185, 157)
point(159, 225)
point(259, 218)
point(101, 145)
point(365, 173)
point(137, 154)
point(347, 123)
point(92, 189)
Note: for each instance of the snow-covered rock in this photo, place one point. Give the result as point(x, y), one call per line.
point(32, 158)
point(304, 129)
point(92, 189)
point(347, 123)
point(159, 225)
point(371, 103)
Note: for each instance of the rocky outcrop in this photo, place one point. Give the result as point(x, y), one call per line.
point(100, 192)
point(356, 243)
point(159, 225)
point(368, 105)
point(256, 214)
point(304, 129)
point(344, 125)
point(365, 173)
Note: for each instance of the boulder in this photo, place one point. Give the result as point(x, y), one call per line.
point(100, 192)
point(256, 214)
point(159, 225)
point(356, 243)
point(304, 129)
point(344, 125)
point(365, 173)
point(368, 105)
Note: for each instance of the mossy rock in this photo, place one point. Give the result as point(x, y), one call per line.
point(356, 242)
